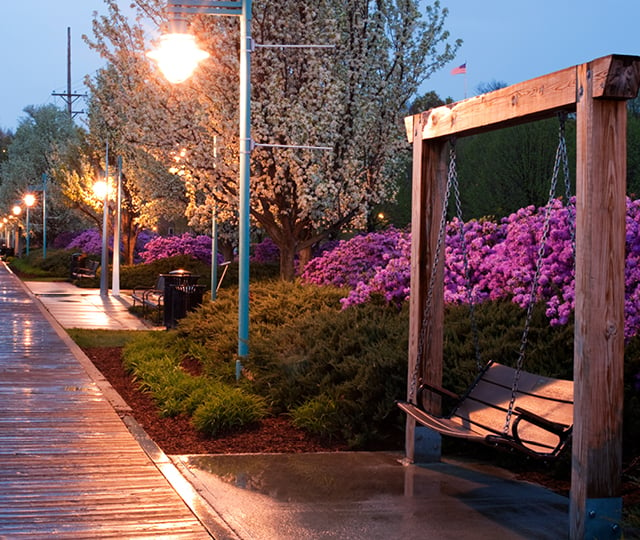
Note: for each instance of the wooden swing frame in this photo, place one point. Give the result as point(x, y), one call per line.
point(596, 92)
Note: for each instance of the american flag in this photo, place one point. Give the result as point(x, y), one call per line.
point(459, 70)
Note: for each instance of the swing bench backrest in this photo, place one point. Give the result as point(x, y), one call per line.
point(541, 420)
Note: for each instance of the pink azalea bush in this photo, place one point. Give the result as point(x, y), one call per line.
point(501, 259)
point(354, 261)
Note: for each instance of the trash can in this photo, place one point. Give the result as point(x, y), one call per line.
point(181, 295)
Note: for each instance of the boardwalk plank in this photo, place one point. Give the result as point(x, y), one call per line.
point(68, 465)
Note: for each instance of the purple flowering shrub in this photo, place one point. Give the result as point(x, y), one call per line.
point(632, 270)
point(355, 260)
point(89, 241)
point(64, 239)
point(161, 247)
point(144, 237)
point(265, 252)
point(501, 260)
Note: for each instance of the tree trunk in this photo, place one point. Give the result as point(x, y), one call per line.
point(304, 257)
point(287, 262)
point(130, 247)
point(129, 235)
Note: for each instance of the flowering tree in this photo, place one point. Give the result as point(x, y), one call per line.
point(44, 143)
point(149, 190)
point(348, 99)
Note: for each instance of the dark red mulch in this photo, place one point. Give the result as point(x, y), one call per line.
point(177, 436)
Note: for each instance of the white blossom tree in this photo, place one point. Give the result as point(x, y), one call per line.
point(348, 98)
point(149, 190)
point(44, 143)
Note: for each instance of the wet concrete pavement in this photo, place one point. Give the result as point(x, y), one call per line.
point(348, 496)
point(75, 307)
point(365, 495)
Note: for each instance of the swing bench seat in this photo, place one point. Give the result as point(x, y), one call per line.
point(541, 420)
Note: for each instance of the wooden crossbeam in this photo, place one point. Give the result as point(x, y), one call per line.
point(614, 76)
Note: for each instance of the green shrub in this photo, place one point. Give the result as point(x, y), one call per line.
point(147, 347)
point(548, 351)
point(146, 275)
point(154, 360)
point(338, 372)
point(227, 409)
point(55, 266)
point(274, 304)
point(319, 415)
point(351, 364)
point(631, 424)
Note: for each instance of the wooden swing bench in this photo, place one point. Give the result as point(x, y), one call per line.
point(540, 423)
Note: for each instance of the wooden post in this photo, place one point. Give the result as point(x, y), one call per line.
point(596, 503)
point(429, 184)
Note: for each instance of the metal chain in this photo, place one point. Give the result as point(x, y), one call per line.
point(465, 260)
point(571, 211)
point(432, 280)
point(561, 158)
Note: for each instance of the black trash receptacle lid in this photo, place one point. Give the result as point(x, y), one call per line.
point(180, 272)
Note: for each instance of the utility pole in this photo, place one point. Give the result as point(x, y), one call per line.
point(69, 97)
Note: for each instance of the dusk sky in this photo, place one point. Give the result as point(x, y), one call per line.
point(503, 41)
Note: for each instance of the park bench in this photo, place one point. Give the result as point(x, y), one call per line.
point(84, 268)
point(150, 297)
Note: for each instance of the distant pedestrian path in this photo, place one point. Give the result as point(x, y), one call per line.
point(69, 467)
point(75, 307)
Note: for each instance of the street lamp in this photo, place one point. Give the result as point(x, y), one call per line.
point(101, 191)
point(178, 55)
point(186, 45)
point(29, 201)
point(16, 211)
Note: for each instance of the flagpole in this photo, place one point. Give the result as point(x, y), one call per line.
point(465, 81)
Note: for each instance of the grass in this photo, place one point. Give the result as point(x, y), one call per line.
point(102, 338)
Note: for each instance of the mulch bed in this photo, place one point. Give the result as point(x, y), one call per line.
point(177, 436)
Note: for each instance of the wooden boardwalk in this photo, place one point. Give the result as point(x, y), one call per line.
point(69, 467)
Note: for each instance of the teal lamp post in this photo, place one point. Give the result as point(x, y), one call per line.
point(177, 56)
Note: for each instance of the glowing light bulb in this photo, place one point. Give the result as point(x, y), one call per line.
point(100, 189)
point(178, 56)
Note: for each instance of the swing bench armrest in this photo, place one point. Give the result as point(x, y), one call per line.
point(554, 427)
point(438, 390)
point(562, 431)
